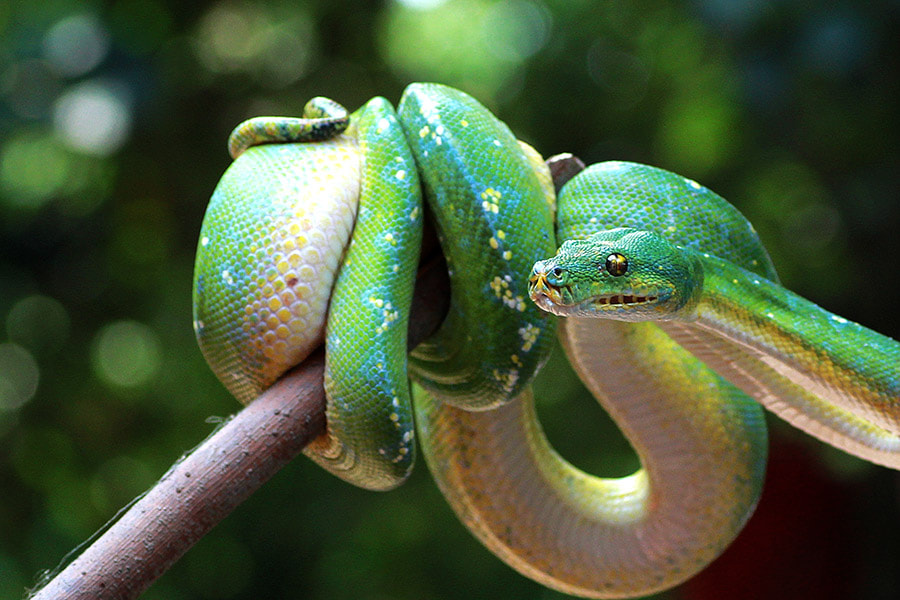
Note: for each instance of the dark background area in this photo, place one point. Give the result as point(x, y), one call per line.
point(113, 122)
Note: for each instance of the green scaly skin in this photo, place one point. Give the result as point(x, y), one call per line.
point(800, 359)
point(370, 440)
point(273, 241)
point(493, 218)
point(268, 257)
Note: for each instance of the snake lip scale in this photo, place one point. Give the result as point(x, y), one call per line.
point(625, 299)
point(543, 293)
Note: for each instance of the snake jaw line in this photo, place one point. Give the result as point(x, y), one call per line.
point(625, 305)
point(623, 300)
point(544, 302)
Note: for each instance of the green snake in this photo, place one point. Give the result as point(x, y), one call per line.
point(327, 208)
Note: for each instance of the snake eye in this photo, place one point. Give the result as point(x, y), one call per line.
point(616, 264)
point(557, 272)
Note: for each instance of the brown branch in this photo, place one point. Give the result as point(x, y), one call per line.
point(204, 487)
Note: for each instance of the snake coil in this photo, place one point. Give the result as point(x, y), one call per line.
point(313, 233)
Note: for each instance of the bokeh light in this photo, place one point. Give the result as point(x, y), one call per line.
point(248, 39)
point(33, 168)
point(421, 4)
point(38, 323)
point(836, 43)
point(19, 376)
point(475, 44)
point(126, 354)
point(76, 44)
point(515, 30)
point(698, 131)
point(93, 117)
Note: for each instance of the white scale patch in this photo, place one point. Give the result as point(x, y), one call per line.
point(529, 335)
point(507, 379)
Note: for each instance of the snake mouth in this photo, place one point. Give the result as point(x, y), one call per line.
point(627, 304)
point(547, 296)
point(622, 300)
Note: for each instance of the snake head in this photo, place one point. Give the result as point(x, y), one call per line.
point(623, 274)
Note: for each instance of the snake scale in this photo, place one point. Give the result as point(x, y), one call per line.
point(674, 319)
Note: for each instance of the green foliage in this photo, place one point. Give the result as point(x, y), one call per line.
point(113, 121)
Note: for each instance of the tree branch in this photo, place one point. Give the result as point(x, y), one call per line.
point(203, 487)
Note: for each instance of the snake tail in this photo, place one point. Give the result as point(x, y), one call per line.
point(322, 119)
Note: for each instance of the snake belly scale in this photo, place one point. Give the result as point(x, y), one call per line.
point(327, 208)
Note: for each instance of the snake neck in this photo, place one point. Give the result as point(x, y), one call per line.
point(773, 334)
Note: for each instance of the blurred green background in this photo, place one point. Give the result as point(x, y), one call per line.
point(113, 121)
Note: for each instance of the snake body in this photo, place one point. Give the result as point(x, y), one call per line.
point(702, 442)
point(274, 239)
point(492, 201)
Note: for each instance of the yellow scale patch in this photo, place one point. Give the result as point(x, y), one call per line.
point(496, 240)
point(490, 200)
point(529, 334)
point(500, 287)
point(294, 261)
point(506, 378)
point(388, 314)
